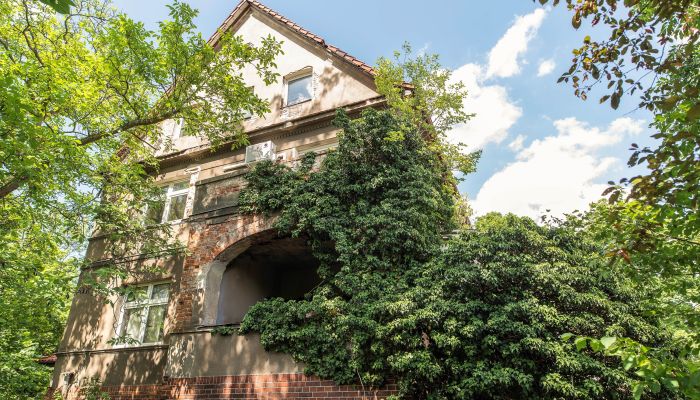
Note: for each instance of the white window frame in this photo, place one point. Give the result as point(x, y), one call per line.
point(177, 127)
point(169, 194)
point(303, 73)
point(246, 113)
point(146, 304)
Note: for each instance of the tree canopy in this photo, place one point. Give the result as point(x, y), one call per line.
point(82, 98)
point(651, 228)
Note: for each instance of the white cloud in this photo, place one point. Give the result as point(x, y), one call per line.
point(558, 172)
point(517, 143)
point(495, 111)
point(504, 57)
point(546, 67)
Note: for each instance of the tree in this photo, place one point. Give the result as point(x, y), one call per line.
point(82, 98)
point(430, 101)
point(651, 47)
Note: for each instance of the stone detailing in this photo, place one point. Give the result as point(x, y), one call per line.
point(270, 387)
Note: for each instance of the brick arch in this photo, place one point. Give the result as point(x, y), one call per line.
point(212, 245)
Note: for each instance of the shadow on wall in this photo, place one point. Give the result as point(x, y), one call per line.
point(275, 268)
point(93, 322)
point(260, 265)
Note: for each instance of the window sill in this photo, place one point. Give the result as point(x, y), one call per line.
point(116, 349)
point(141, 346)
point(297, 103)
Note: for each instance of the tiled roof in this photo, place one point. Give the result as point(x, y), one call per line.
point(303, 32)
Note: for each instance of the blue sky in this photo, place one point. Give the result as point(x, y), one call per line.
point(543, 149)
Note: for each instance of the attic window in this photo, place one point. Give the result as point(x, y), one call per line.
point(300, 88)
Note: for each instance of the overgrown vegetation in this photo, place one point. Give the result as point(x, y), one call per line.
point(651, 228)
point(481, 318)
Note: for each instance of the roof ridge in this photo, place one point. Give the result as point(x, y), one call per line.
point(357, 63)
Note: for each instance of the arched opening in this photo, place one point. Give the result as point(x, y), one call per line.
point(273, 268)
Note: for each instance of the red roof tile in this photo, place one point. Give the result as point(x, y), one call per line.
point(303, 32)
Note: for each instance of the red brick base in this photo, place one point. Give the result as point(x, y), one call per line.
point(278, 386)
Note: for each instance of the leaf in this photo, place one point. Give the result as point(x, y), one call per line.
point(693, 113)
point(615, 100)
point(671, 384)
point(608, 341)
point(580, 343)
point(566, 336)
point(596, 345)
point(61, 6)
point(637, 390)
point(576, 20)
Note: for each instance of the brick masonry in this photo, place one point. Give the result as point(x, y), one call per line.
point(268, 387)
point(207, 240)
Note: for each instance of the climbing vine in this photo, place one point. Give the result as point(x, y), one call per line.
point(480, 315)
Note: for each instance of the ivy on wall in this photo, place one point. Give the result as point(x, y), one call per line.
point(477, 316)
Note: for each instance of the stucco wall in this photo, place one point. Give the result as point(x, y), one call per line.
point(93, 320)
point(214, 233)
point(336, 83)
point(203, 354)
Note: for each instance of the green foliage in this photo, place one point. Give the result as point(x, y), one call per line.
point(479, 317)
point(224, 330)
point(37, 280)
point(665, 265)
point(61, 6)
point(651, 229)
point(82, 97)
point(92, 390)
point(422, 94)
point(655, 367)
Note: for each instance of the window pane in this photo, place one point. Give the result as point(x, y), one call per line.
point(154, 324)
point(177, 207)
point(139, 293)
point(160, 292)
point(154, 210)
point(132, 322)
point(299, 90)
point(180, 186)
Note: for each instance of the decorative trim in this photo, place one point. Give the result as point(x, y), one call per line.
point(149, 347)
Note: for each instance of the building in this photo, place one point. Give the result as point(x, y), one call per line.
point(233, 260)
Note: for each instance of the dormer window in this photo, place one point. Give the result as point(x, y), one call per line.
point(299, 87)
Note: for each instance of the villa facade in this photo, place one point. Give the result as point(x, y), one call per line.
point(233, 260)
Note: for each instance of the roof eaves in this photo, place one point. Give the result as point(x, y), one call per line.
point(362, 66)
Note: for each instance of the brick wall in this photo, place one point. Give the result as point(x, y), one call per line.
point(269, 387)
point(207, 240)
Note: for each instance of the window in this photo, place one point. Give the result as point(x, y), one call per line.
point(170, 206)
point(299, 89)
point(143, 313)
point(177, 127)
point(247, 114)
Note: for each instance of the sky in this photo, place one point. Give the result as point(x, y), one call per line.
point(544, 151)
